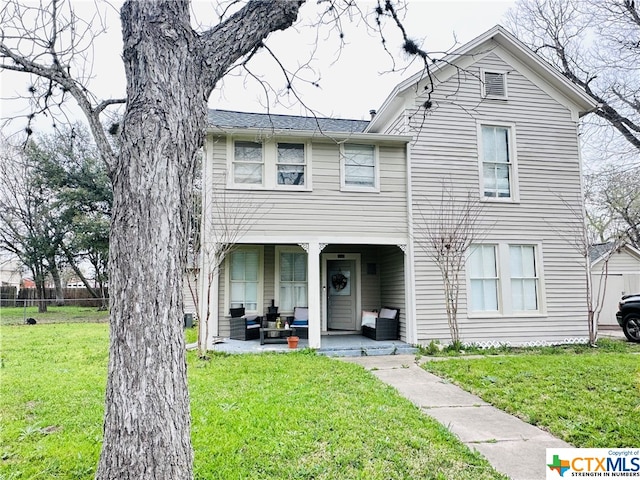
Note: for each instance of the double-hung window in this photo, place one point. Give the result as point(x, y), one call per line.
point(497, 156)
point(291, 164)
point(244, 278)
point(292, 269)
point(248, 163)
point(269, 164)
point(504, 278)
point(483, 277)
point(359, 167)
point(524, 278)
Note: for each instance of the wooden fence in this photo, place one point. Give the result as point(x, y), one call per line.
point(14, 297)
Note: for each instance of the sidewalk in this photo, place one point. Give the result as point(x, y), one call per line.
point(512, 446)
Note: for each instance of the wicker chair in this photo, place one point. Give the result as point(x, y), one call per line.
point(244, 327)
point(300, 320)
point(384, 326)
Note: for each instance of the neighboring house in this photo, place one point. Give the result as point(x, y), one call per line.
point(328, 199)
point(10, 271)
point(615, 273)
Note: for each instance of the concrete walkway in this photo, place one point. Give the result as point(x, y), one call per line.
point(512, 446)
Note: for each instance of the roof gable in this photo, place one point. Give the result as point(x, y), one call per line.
point(499, 41)
point(600, 251)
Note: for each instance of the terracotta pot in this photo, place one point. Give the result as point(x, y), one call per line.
point(293, 342)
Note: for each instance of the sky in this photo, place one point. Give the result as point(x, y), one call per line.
point(352, 79)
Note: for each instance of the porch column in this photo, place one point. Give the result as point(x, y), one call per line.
point(410, 298)
point(313, 271)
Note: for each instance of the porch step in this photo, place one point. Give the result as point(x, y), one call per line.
point(367, 350)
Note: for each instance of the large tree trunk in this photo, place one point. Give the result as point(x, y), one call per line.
point(170, 74)
point(147, 422)
point(57, 282)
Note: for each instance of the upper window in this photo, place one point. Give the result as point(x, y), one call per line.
point(248, 163)
point(494, 85)
point(291, 164)
point(359, 166)
point(244, 278)
point(269, 164)
point(497, 162)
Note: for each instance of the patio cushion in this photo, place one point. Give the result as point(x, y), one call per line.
point(300, 317)
point(369, 318)
point(388, 313)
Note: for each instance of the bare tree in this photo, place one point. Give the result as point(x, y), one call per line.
point(445, 232)
point(229, 218)
point(586, 242)
point(27, 224)
point(171, 70)
point(594, 43)
point(613, 204)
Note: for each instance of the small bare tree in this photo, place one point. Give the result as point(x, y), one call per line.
point(583, 238)
point(445, 232)
point(228, 218)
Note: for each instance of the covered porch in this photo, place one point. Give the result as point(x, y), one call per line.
point(343, 345)
point(336, 281)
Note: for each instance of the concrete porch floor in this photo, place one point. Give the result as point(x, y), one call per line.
point(351, 345)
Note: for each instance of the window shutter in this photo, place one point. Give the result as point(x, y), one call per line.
point(494, 85)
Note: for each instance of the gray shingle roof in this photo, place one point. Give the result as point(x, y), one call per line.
point(598, 250)
point(231, 119)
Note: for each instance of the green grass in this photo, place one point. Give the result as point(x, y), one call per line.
point(585, 396)
point(17, 315)
point(286, 416)
point(191, 335)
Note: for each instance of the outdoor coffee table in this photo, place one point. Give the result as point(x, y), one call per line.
point(288, 332)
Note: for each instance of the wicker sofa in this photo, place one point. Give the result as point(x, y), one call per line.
point(244, 327)
point(384, 325)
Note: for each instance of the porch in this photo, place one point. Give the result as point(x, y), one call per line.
point(342, 345)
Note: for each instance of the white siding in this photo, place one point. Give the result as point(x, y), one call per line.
point(549, 185)
point(622, 277)
point(325, 210)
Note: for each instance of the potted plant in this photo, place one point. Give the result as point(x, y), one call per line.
point(293, 341)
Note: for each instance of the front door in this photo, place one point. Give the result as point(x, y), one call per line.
point(342, 294)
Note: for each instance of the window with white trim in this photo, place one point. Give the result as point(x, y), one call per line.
point(244, 278)
point(494, 85)
point(497, 156)
point(524, 278)
point(248, 163)
point(504, 279)
point(292, 279)
point(359, 166)
point(483, 277)
point(291, 164)
point(270, 164)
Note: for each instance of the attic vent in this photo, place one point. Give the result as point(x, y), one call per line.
point(495, 85)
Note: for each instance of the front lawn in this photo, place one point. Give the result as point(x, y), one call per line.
point(66, 314)
point(286, 416)
point(587, 397)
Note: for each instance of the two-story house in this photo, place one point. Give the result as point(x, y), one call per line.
point(315, 201)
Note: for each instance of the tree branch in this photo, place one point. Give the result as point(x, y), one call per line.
point(241, 33)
